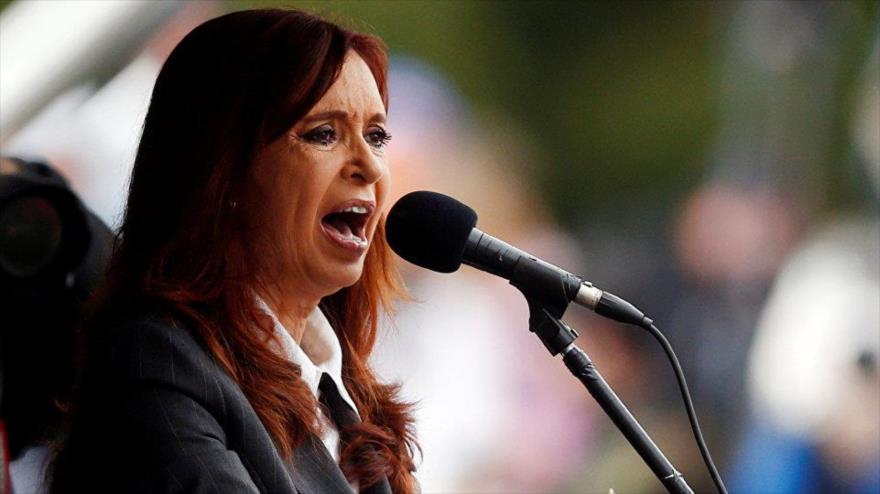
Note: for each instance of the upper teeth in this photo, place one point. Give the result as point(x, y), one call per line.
point(355, 209)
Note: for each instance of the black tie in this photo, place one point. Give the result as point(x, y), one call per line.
point(340, 411)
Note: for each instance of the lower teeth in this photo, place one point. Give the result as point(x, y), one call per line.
point(356, 239)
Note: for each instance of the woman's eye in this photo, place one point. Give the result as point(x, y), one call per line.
point(378, 137)
point(323, 135)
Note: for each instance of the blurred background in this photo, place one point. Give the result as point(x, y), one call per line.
point(718, 164)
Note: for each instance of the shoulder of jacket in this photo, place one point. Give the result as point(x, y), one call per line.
point(151, 329)
point(156, 347)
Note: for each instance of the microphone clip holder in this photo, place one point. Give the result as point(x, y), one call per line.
point(553, 333)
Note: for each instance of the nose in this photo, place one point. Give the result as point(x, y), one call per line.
point(364, 165)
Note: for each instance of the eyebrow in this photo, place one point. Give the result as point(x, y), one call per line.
point(339, 114)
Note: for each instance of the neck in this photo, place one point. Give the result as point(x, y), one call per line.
point(292, 312)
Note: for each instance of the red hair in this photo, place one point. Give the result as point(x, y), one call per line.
point(232, 86)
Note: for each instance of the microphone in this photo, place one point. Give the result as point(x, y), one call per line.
point(437, 232)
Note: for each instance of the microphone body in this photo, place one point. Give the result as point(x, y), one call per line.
point(541, 282)
point(437, 232)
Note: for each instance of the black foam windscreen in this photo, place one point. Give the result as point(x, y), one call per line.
point(430, 230)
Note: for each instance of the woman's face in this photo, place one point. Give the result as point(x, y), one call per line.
point(322, 186)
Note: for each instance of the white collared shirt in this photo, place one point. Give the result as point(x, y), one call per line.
point(318, 352)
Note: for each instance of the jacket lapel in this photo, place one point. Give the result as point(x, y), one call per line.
point(313, 470)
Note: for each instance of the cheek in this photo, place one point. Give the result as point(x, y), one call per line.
point(284, 210)
point(308, 178)
point(383, 189)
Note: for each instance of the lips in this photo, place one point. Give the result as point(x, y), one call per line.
point(346, 224)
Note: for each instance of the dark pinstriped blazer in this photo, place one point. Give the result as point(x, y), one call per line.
point(159, 415)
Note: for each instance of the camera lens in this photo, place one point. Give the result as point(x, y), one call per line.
point(30, 236)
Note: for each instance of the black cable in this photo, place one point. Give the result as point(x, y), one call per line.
point(689, 405)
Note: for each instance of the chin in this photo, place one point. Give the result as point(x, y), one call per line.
point(346, 276)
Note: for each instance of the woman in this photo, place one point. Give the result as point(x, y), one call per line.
point(229, 350)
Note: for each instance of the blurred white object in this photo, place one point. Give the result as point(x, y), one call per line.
point(47, 46)
point(443, 355)
point(26, 473)
point(822, 317)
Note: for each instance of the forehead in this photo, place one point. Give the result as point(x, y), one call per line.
point(354, 91)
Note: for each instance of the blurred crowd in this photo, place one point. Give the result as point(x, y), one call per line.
point(764, 273)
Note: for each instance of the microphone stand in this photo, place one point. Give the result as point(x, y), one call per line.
point(559, 338)
point(548, 291)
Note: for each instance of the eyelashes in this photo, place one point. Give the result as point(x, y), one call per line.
point(325, 135)
point(378, 137)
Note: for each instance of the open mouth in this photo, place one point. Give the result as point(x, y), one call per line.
point(347, 226)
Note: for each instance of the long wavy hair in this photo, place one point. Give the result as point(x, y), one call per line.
point(232, 86)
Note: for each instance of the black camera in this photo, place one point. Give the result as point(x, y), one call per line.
point(53, 254)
